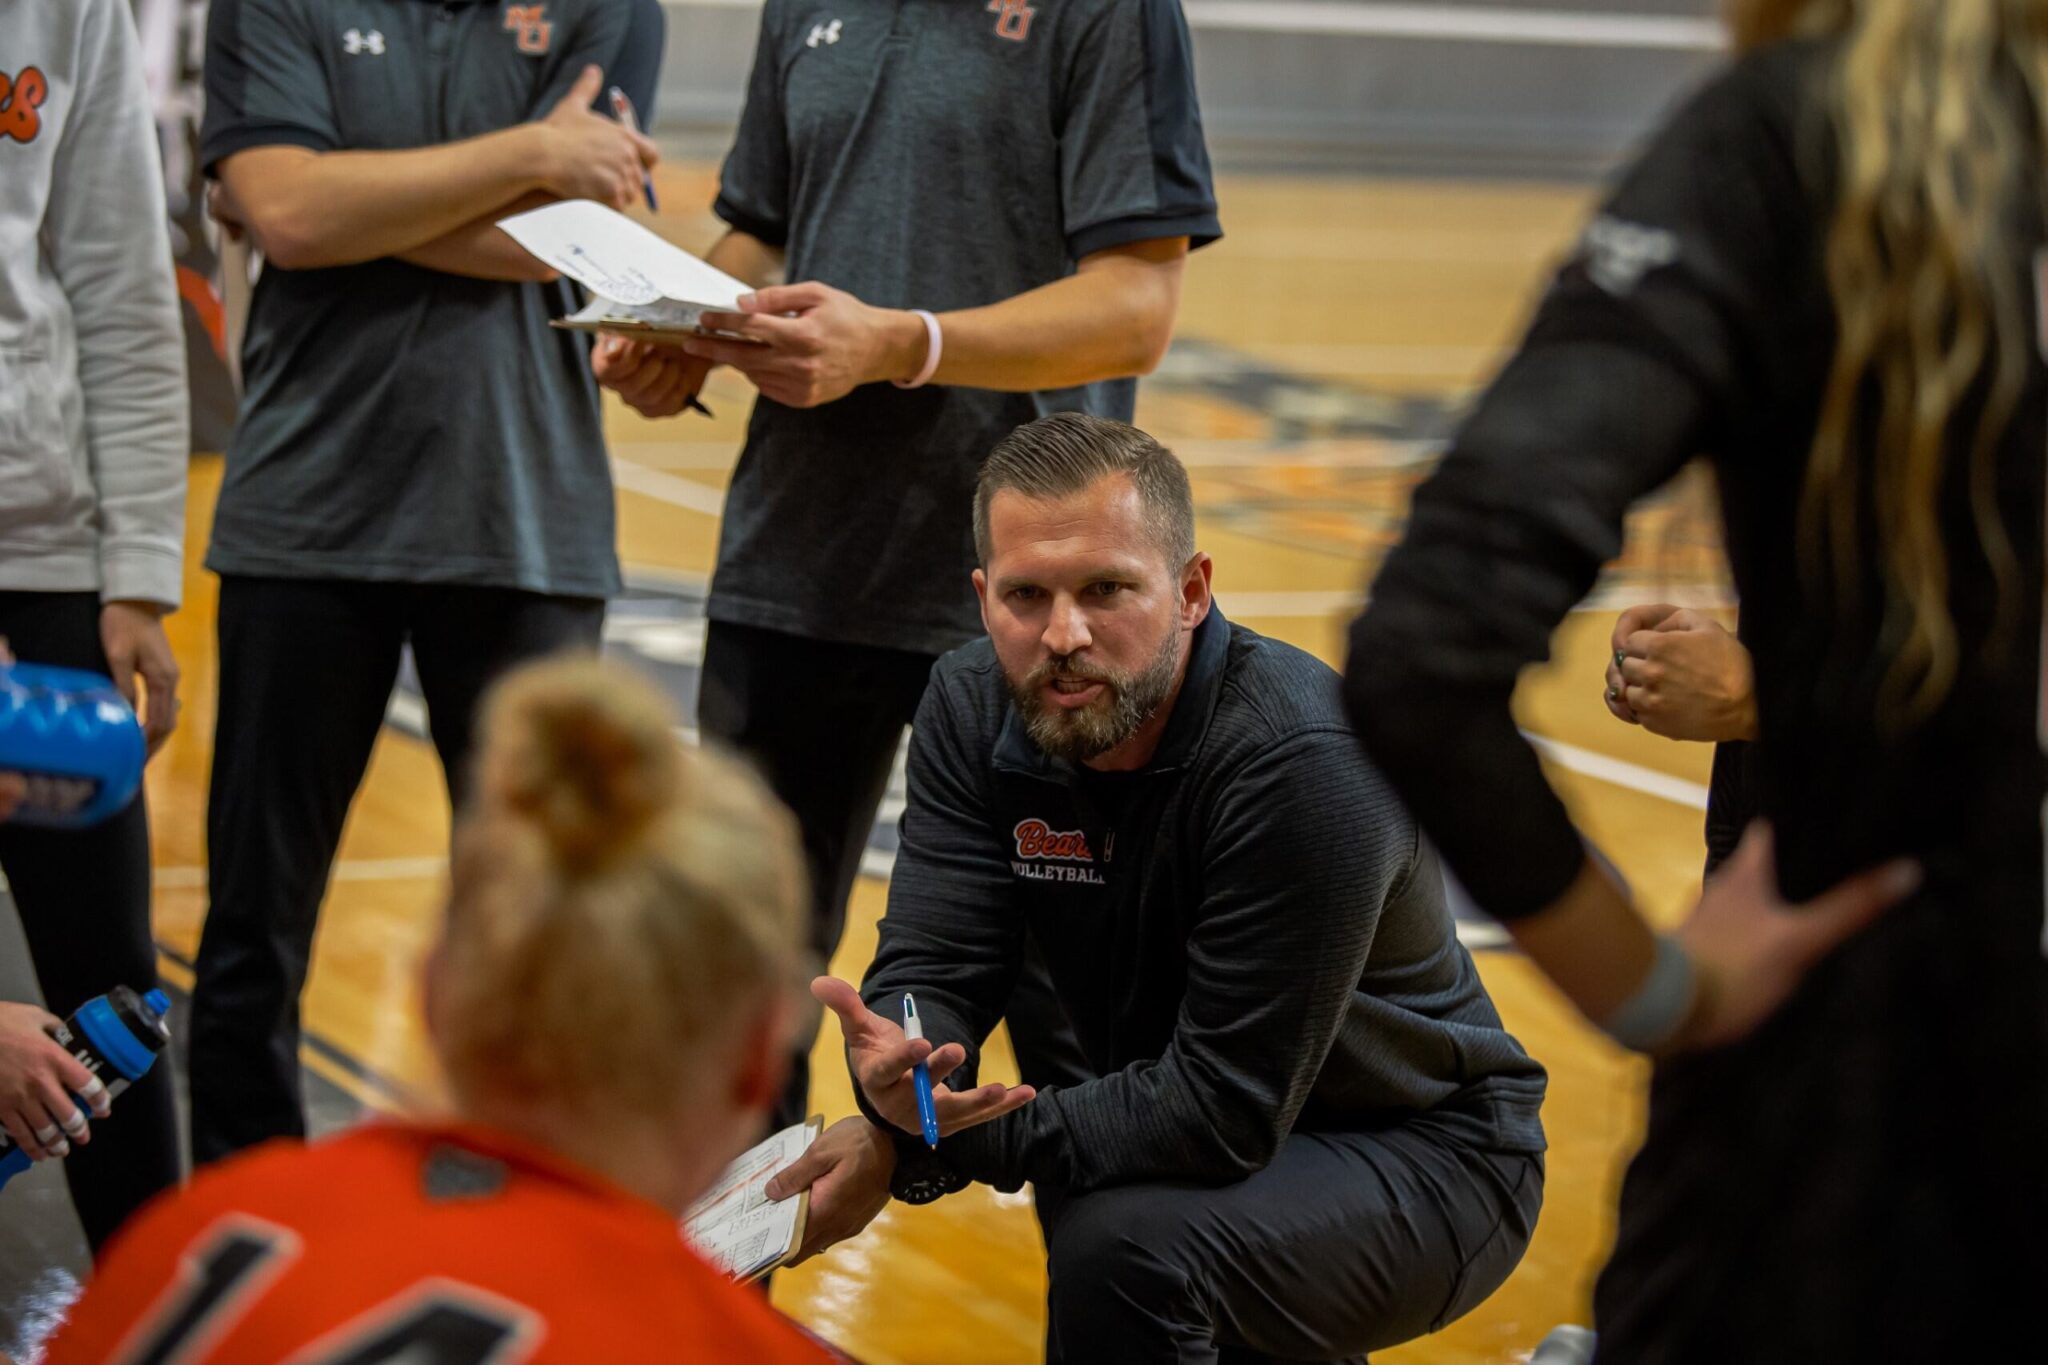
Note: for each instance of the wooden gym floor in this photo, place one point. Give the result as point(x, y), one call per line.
point(1325, 347)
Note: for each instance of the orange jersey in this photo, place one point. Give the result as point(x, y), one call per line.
point(402, 1242)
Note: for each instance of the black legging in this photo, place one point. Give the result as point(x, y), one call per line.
point(306, 669)
point(84, 902)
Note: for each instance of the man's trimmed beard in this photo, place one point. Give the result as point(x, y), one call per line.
point(1128, 700)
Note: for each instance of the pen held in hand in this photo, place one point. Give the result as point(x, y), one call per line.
point(622, 110)
point(921, 1076)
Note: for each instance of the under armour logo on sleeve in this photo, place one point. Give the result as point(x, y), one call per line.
point(1618, 254)
point(355, 43)
point(824, 33)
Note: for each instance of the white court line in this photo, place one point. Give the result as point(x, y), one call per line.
point(1459, 23)
point(652, 483)
point(1618, 773)
point(407, 712)
point(678, 454)
point(658, 578)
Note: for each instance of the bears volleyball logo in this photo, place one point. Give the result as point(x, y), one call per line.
point(1036, 839)
point(20, 97)
point(1041, 851)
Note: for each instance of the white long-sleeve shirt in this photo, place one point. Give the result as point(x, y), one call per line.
point(93, 407)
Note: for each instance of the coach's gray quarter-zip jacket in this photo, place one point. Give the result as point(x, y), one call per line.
point(1247, 935)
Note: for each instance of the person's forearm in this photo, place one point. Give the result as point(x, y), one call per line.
point(482, 250)
point(1110, 320)
point(746, 258)
point(1590, 942)
point(312, 209)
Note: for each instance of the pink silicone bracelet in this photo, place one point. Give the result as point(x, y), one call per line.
point(935, 343)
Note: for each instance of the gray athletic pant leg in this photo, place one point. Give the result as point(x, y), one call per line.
point(1346, 1243)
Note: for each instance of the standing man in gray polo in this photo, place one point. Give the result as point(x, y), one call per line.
point(419, 455)
point(988, 208)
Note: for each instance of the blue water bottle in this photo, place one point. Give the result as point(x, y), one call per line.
point(76, 741)
point(116, 1037)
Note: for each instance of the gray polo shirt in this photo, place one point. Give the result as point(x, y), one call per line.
point(401, 424)
point(936, 154)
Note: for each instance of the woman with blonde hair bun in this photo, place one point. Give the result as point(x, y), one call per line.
point(612, 998)
point(1825, 274)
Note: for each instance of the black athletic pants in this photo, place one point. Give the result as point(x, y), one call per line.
point(823, 721)
point(84, 902)
point(1346, 1243)
point(306, 670)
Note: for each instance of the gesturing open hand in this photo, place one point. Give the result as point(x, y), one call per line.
point(882, 1058)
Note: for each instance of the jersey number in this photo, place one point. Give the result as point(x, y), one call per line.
point(437, 1322)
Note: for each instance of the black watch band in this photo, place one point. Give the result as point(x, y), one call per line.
point(921, 1176)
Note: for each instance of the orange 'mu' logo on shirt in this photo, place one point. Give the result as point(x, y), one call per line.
point(530, 22)
point(1015, 20)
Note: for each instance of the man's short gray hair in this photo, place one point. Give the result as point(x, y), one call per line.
point(1060, 455)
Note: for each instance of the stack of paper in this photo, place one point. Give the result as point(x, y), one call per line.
point(642, 283)
point(735, 1226)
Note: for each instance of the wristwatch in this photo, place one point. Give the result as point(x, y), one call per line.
point(921, 1174)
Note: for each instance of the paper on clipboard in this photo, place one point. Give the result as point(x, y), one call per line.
point(734, 1225)
point(642, 282)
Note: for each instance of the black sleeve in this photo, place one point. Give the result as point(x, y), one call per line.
point(1133, 164)
point(753, 185)
point(952, 935)
point(266, 85)
point(624, 41)
point(1301, 850)
point(1647, 343)
point(635, 65)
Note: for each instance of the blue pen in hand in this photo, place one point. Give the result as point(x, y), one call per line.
point(622, 110)
point(921, 1076)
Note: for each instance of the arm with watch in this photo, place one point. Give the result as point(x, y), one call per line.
point(954, 935)
point(812, 344)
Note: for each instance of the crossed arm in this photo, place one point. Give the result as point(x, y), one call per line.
point(434, 206)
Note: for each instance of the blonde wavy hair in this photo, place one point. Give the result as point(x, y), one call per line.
point(620, 904)
point(1936, 108)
